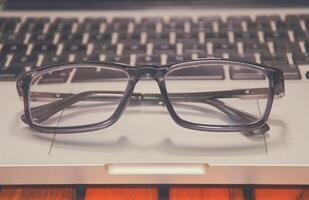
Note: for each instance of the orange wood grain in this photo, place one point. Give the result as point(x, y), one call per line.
point(36, 193)
point(121, 193)
point(281, 193)
point(206, 193)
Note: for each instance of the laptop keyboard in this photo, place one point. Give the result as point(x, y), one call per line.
point(35, 42)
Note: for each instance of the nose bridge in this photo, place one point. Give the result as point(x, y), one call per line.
point(151, 72)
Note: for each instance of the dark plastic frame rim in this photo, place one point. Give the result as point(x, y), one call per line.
point(275, 77)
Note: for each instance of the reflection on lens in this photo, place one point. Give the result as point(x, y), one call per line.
point(76, 95)
point(198, 98)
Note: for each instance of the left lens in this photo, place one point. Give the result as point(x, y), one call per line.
point(198, 97)
point(75, 95)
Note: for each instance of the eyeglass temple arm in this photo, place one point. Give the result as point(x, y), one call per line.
point(41, 113)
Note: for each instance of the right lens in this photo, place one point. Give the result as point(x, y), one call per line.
point(76, 95)
point(198, 98)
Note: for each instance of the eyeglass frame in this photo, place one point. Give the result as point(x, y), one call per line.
point(274, 75)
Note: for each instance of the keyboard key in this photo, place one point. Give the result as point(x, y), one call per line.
point(14, 47)
point(143, 60)
point(164, 48)
point(125, 59)
point(63, 25)
point(219, 47)
point(210, 73)
point(10, 73)
point(290, 72)
point(85, 58)
point(56, 77)
point(255, 47)
point(12, 38)
point(248, 57)
point(34, 25)
point(307, 74)
point(8, 24)
point(91, 25)
point(94, 74)
point(54, 60)
point(300, 58)
point(42, 38)
point(134, 48)
point(74, 48)
point(72, 38)
point(104, 48)
point(100, 38)
point(44, 48)
point(194, 48)
point(245, 74)
point(178, 58)
point(24, 61)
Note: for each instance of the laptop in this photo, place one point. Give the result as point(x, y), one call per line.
point(146, 146)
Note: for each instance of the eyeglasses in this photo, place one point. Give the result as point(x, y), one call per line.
point(81, 97)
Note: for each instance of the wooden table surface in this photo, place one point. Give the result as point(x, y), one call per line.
point(154, 192)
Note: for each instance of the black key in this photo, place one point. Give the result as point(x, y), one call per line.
point(91, 25)
point(60, 76)
point(238, 73)
point(12, 38)
point(250, 47)
point(152, 37)
point(24, 61)
point(300, 58)
point(292, 20)
point(125, 59)
point(8, 24)
point(14, 47)
point(219, 35)
point(129, 42)
point(46, 38)
point(54, 60)
point(290, 72)
point(307, 74)
point(277, 58)
point(9, 73)
point(71, 38)
point(63, 24)
point(134, 48)
point(74, 48)
point(300, 35)
point(270, 35)
point(101, 48)
point(148, 24)
point(100, 38)
point(94, 74)
point(164, 48)
point(238, 19)
point(248, 57)
point(210, 19)
point(178, 58)
point(246, 36)
point(285, 46)
point(187, 40)
point(219, 47)
point(44, 48)
point(194, 48)
point(120, 24)
point(144, 60)
point(87, 58)
point(34, 25)
point(176, 23)
point(210, 73)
